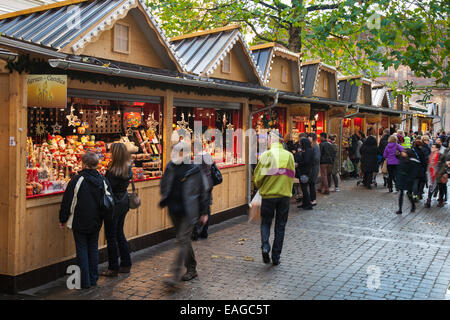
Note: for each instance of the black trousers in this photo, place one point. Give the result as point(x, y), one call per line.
point(306, 197)
point(400, 199)
point(278, 207)
point(392, 169)
point(367, 178)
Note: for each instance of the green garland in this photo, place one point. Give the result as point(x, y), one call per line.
point(39, 66)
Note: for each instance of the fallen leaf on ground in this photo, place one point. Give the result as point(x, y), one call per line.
point(246, 258)
point(241, 243)
point(215, 256)
point(167, 275)
point(228, 257)
point(243, 239)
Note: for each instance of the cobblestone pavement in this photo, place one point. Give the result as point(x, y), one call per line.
point(332, 252)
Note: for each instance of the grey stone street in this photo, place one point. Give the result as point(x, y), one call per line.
point(351, 246)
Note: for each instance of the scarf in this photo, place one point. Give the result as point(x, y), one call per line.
point(434, 158)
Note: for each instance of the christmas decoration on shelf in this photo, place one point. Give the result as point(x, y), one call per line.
point(73, 119)
point(129, 132)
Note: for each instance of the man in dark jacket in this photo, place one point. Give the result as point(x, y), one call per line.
point(184, 191)
point(327, 156)
point(84, 215)
point(352, 152)
point(304, 160)
point(205, 161)
point(369, 159)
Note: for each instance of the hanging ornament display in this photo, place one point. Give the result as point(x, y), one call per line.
point(73, 119)
point(151, 122)
point(101, 119)
point(40, 129)
point(183, 124)
point(56, 127)
point(132, 119)
point(230, 126)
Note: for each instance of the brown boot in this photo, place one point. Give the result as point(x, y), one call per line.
point(110, 273)
point(124, 269)
point(440, 203)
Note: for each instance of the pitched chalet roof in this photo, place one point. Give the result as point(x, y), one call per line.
point(310, 71)
point(264, 54)
point(59, 26)
point(348, 89)
point(202, 52)
point(382, 96)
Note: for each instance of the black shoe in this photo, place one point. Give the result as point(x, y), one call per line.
point(390, 190)
point(307, 208)
point(265, 256)
point(275, 262)
point(189, 275)
point(399, 212)
point(413, 209)
point(194, 236)
point(203, 236)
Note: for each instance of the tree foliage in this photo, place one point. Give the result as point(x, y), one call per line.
point(358, 37)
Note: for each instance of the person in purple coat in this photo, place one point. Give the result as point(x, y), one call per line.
point(391, 152)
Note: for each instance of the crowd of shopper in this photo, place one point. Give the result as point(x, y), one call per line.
point(408, 162)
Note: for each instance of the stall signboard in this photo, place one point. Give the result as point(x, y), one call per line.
point(47, 91)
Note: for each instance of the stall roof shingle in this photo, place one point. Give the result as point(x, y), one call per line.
point(57, 27)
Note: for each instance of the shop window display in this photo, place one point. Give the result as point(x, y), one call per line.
point(212, 119)
point(57, 139)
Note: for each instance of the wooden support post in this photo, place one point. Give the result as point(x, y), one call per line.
point(17, 167)
point(167, 126)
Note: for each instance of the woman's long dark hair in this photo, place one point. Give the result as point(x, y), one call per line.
point(120, 164)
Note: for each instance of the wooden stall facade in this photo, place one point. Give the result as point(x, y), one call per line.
point(33, 249)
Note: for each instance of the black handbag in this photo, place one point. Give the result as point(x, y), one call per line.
point(216, 175)
point(108, 202)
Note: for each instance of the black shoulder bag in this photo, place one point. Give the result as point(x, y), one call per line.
point(216, 175)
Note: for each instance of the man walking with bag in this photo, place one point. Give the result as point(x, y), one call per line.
point(274, 177)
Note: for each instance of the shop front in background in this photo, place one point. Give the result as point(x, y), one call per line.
point(315, 122)
point(216, 126)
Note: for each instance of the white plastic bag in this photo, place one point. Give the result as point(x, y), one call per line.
point(255, 207)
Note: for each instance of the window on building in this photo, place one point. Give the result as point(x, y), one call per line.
point(325, 83)
point(284, 74)
point(121, 38)
point(226, 65)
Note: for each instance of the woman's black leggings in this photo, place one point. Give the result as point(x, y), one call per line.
point(400, 199)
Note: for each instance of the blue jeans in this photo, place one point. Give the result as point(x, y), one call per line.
point(278, 207)
point(116, 240)
point(87, 257)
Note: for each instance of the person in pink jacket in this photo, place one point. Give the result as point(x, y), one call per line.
point(392, 150)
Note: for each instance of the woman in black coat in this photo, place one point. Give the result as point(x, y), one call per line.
point(304, 162)
point(407, 172)
point(369, 160)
